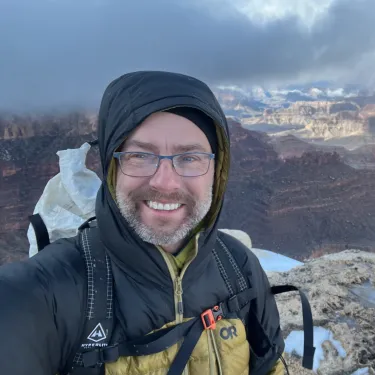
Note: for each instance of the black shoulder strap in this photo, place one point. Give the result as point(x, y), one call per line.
point(99, 323)
point(231, 273)
point(41, 232)
point(308, 324)
point(229, 269)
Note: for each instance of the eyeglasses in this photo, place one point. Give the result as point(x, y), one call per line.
point(144, 164)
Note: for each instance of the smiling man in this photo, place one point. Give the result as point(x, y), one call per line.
point(185, 298)
point(163, 200)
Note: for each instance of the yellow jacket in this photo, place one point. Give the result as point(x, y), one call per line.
point(212, 355)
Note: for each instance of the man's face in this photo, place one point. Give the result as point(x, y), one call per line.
point(137, 197)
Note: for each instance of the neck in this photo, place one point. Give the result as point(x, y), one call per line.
point(176, 247)
point(172, 249)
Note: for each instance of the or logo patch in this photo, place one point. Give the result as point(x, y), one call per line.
point(227, 333)
point(97, 334)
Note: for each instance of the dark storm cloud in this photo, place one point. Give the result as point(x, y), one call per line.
point(59, 53)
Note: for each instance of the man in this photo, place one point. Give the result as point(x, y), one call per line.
point(164, 148)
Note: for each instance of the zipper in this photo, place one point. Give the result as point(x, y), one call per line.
point(211, 355)
point(178, 290)
point(212, 337)
point(213, 352)
point(179, 309)
point(179, 306)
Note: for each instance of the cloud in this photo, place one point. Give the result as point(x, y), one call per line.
point(264, 10)
point(62, 53)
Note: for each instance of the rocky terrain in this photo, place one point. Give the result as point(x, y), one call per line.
point(341, 291)
point(301, 205)
point(339, 117)
point(319, 121)
point(289, 146)
point(16, 126)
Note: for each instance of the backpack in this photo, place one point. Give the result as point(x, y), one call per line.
point(96, 349)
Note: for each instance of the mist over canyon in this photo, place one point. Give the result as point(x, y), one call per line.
point(302, 191)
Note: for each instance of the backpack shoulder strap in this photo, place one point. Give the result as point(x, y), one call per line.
point(308, 324)
point(234, 280)
point(40, 230)
point(99, 320)
point(228, 267)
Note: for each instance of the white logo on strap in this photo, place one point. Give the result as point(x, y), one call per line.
point(97, 334)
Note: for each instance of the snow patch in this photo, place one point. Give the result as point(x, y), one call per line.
point(294, 344)
point(366, 294)
point(361, 371)
point(274, 262)
point(270, 261)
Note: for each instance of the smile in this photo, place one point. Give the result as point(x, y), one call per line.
point(163, 206)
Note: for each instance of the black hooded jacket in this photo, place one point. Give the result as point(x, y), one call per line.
point(43, 299)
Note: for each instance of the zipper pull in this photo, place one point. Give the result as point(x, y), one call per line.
point(178, 287)
point(178, 291)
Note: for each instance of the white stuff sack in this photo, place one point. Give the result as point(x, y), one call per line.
point(68, 198)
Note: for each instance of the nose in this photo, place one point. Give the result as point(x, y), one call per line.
point(165, 178)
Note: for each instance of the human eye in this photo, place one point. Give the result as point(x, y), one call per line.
point(137, 156)
point(190, 158)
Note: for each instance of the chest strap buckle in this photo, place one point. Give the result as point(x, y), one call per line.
point(211, 316)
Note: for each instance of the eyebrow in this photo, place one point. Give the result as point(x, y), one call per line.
point(191, 147)
point(144, 145)
point(176, 148)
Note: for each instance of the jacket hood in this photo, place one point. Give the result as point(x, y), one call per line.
point(126, 102)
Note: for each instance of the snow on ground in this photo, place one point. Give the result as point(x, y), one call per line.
point(275, 262)
point(269, 260)
point(361, 371)
point(366, 294)
point(294, 343)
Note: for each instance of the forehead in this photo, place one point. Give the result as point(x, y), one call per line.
point(167, 129)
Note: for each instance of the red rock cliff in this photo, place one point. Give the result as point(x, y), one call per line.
point(298, 206)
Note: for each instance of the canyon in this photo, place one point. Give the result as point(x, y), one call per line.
point(300, 206)
point(318, 121)
point(320, 115)
point(303, 204)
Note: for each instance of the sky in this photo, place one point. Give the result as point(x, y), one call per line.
point(56, 53)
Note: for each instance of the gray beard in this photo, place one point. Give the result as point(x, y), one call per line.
point(160, 237)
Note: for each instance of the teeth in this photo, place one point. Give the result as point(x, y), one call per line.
point(163, 207)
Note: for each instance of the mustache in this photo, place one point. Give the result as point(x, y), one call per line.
point(154, 195)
